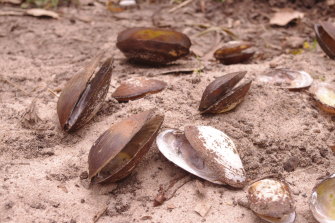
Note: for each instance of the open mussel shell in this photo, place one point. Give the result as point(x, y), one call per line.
point(205, 152)
point(286, 78)
point(324, 96)
point(325, 35)
point(234, 52)
point(224, 93)
point(271, 200)
point(322, 201)
point(84, 93)
point(152, 45)
point(118, 150)
point(137, 88)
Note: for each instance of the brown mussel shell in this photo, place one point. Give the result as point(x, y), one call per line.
point(234, 52)
point(118, 150)
point(137, 88)
point(224, 93)
point(325, 35)
point(152, 45)
point(84, 93)
point(324, 96)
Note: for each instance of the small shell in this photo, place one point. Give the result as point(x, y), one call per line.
point(83, 94)
point(322, 201)
point(286, 78)
point(224, 94)
point(152, 45)
point(119, 149)
point(325, 35)
point(324, 95)
point(271, 200)
point(205, 152)
point(234, 52)
point(137, 88)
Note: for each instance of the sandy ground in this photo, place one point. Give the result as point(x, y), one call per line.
point(43, 169)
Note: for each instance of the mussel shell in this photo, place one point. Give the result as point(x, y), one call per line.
point(152, 45)
point(83, 94)
point(137, 88)
point(271, 200)
point(234, 52)
point(126, 142)
point(218, 152)
point(175, 147)
point(322, 201)
point(324, 96)
point(286, 78)
point(325, 35)
point(218, 88)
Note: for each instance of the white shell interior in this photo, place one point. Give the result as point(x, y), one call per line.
point(290, 218)
point(174, 146)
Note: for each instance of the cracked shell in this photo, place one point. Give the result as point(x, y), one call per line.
point(234, 52)
point(325, 35)
point(324, 96)
point(322, 201)
point(137, 88)
point(152, 45)
point(83, 94)
point(205, 152)
point(118, 150)
point(271, 200)
point(286, 78)
point(224, 93)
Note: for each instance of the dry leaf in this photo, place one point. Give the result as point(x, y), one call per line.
point(202, 208)
point(41, 13)
point(284, 16)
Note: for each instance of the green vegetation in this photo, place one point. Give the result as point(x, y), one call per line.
point(44, 3)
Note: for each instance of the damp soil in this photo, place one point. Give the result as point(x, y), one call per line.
point(278, 132)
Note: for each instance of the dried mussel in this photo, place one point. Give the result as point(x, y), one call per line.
point(271, 200)
point(152, 45)
point(224, 93)
point(286, 78)
point(325, 35)
point(84, 93)
point(205, 152)
point(322, 201)
point(324, 96)
point(119, 149)
point(234, 52)
point(137, 88)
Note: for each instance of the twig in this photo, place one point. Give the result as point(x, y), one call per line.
point(99, 215)
point(180, 5)
point(11, 13)
point(13, 84)
point(54, 93)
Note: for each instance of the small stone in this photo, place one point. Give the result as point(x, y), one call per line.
point(291, 164)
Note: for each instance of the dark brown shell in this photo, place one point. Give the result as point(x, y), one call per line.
point(83, 94)
point(152, 45)
point(325, 35)
point(132, 137)
point(137, 88)
point(221, 95)
point(234, 52)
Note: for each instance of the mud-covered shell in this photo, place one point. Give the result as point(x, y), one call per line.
point(286, 78)
point(83, 94)
point(137, 88)
point(322, 201)
point(119, 149)
point(152, 45)
point(173, 144)
point(324, 96)
point(234, 52)
point(325, 35)
point(218, 152)
point(271, 200)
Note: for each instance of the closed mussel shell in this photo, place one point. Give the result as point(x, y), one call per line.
point(83, 94)
point(325, 35)
point(324, 96)
point(119, 149)
point(224, 93)
point(153, 45)
point(234, 52)
point(271, 200)
point(137, 88)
